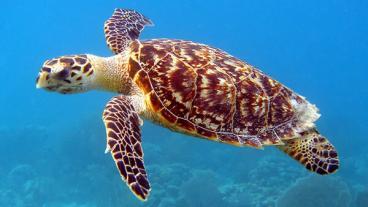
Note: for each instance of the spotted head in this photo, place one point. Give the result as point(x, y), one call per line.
point(66, 74)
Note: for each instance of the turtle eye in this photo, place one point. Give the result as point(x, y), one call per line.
point(61, 75)
point(46, 69)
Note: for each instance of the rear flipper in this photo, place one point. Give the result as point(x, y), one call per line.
point(314, 151)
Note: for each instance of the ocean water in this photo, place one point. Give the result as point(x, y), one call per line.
point(52, 146)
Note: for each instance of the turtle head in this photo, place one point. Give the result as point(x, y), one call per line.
point(80, 73)
point(66, 74)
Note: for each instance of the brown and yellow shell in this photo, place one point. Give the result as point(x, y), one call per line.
point(205, 92)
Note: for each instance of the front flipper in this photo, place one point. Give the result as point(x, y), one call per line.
point(124, 141)
point(123, 27)
point(314, 151)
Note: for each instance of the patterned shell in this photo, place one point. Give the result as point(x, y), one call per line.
point(205, 92)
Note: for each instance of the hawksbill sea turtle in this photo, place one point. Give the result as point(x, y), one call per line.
point(190, 88)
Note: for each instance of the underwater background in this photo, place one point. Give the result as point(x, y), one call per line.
point(52, 146)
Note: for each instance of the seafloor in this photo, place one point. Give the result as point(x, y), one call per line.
point(52, 146)
point(71, 170)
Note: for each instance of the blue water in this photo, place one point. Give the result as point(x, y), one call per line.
point(52, 146)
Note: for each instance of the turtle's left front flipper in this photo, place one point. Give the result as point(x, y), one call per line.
point(124, 141)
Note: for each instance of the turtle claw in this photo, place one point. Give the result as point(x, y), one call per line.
point(107, 150)
point(140, 121)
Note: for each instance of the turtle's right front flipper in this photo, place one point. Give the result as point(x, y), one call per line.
point(124, 141)
point(123, 27)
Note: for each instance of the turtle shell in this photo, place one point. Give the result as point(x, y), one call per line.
point(203, 91)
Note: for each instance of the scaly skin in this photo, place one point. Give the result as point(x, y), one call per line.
point(194, 89)
point(189, 88)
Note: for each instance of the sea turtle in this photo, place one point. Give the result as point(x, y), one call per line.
point(190, 88)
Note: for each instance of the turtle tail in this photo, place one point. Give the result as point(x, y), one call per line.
point(313, 151)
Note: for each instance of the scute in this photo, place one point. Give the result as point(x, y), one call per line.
point(174, 83)
point(251, 108)
point(206, 92)
point(213, 105)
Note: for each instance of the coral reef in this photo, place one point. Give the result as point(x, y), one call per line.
point(265, 183)
point(67, 172)
point(361, 199)
point(201, 190)
point(317, 191)
point(24, 187)
point(180, 185)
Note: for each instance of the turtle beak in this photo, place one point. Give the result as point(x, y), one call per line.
point(41, 80)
